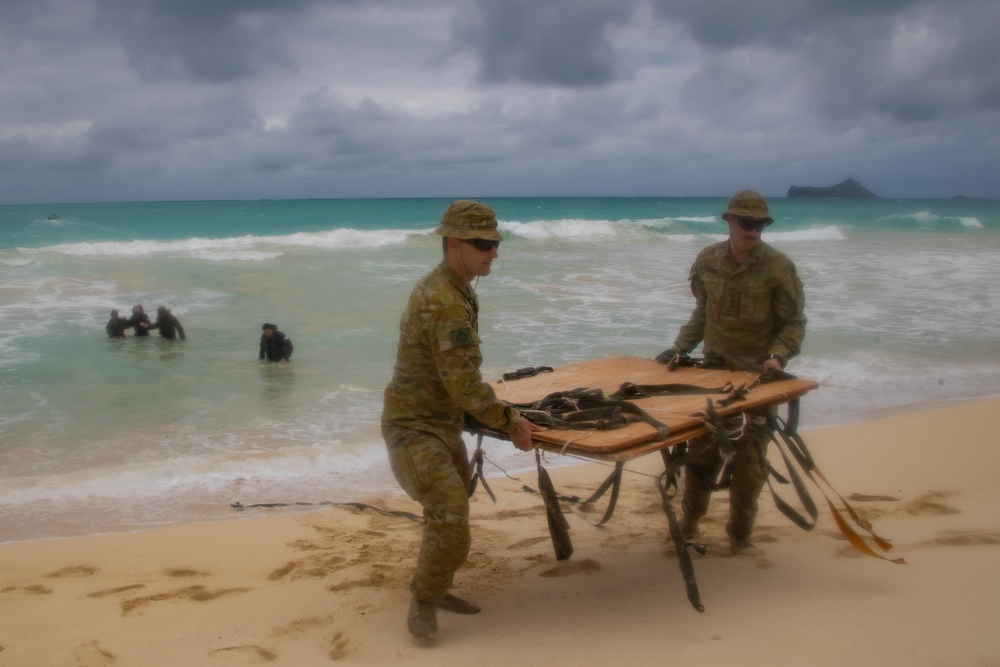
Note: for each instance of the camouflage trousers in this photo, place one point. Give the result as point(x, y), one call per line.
point(748, 478)
point(436, 474)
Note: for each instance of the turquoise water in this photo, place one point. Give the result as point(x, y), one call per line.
point(109, 435)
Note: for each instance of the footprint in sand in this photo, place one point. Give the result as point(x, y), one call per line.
point(354, 583)
point(184, 572)
point(194, 593)
point(871, 498)
point(34, 589)
point(307, 568)
point(282, 571)
point(301, 626)
point(586, 566)
point(74, 571)
point(92, 655)
point(528, 542)
point(963, 539)
point(248, 653)
point(338, 646)
point(929, 505)
point(112, 591)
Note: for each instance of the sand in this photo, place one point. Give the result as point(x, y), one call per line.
point(331, 585)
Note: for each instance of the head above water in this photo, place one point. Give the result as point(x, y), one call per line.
point(748, 205)
point(268, 325)
point(465, 219)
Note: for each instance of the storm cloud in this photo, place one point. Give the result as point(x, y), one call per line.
point(185, 99)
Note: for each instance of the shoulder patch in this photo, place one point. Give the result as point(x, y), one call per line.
point(460, 337)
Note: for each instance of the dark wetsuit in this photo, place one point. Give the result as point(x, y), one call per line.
point(116, 327)
point(276, 348)
point(169, 326)
point(133, 323)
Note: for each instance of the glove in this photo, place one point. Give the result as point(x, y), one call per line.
point(668, 355)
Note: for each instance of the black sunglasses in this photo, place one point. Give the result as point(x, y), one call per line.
point(751, 225)
point(482, 244)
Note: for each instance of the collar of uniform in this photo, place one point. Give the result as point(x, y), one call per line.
point(755, 255)
point(457, 280)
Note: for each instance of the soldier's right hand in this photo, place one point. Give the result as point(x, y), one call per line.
point(667, 355)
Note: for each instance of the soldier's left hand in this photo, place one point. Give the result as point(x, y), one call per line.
point(521, 435)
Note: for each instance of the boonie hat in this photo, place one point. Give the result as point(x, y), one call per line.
point(467, 219)
point(748, 204)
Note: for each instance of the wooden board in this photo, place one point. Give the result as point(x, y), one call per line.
point(676, 411)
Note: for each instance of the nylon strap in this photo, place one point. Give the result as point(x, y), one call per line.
point(804, 459)
point(558, 525)
point(681, 546)
point(478, 457)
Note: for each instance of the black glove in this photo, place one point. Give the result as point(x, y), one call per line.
point(668, 355)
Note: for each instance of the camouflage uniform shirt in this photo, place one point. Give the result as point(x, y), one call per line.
point(436, 379)
point(744, 312)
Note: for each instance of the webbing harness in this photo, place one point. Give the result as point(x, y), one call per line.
point(592, 409)
point(788, 434)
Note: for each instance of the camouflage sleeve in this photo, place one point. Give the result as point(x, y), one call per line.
point(789, 307)
point(692, 333)
point(458, 358)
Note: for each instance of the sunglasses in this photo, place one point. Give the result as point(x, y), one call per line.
point(482, 245)
point(750, 225)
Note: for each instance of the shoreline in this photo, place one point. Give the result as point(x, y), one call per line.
point(331, 584)
point(215, 504)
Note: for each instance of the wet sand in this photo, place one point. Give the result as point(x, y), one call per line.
point(331, 585)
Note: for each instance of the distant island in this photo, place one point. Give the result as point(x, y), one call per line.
point(847, 189)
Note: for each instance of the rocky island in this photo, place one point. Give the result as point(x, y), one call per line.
point(846, 189)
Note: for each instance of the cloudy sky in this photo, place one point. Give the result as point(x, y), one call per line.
point(233, 99)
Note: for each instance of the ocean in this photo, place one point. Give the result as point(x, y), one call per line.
point(100, 435)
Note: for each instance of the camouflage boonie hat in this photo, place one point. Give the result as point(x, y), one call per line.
point(750, 205)
point(466, 219)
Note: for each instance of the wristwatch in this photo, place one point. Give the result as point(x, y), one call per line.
point(781, 359)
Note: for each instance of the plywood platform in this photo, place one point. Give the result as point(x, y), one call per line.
point(676, 411)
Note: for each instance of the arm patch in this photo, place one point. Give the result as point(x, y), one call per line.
point(461, 337)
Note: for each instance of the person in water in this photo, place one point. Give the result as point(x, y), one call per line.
point(139, 321)
point(274, 345)
point(115, 326)
point(168, 324)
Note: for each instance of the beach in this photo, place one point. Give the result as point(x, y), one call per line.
point(331, 585)
point(100, 435)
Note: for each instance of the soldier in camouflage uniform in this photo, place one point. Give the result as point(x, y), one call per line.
point(750, 314)
point(435, 382)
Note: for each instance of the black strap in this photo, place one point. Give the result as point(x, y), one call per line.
point(803, 458)
point(529, 371)
point(558, 525)
point(800, 489)
point(614, 482)
point(476, 461)
point(630, 390)
point(582, 409)
point(715, 423)
point(681, 545)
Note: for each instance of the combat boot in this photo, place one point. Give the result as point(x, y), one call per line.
point(457, 605)
point(422, 620)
